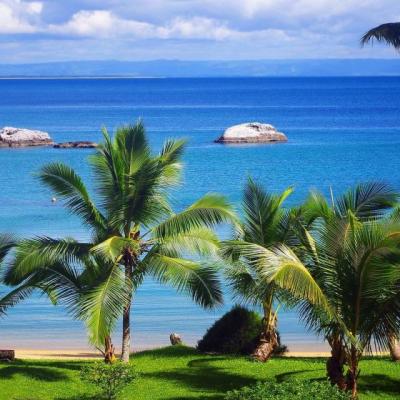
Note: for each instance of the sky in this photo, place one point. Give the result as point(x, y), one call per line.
point(65, 30)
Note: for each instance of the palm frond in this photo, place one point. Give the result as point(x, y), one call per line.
point(208, 211)
point(102, 303)
point(316, 206)
point(40, 253)
point(200, 281)
point(113, 247)
point(7, 242)
point(203, 242)
point(68, 185)
point(170, 160)
point(388, 33)
point(244, 283)
point(281, 266)
point(14, 297)
point(262, 213)
point(367, 200)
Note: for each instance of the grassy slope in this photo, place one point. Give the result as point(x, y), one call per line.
point(181, 373)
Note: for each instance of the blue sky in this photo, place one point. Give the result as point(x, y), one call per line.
point(56, 30)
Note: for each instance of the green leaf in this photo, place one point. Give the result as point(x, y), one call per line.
point(210, 210)
point(102, 303)
point(68, 185)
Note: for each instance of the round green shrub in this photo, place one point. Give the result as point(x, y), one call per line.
point(289, 390)
point(110, 379)
point(236, 332)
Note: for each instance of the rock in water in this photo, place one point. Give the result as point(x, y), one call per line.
point(252, 132)
point(76, 145)
point(175, 339)
point(19, 137)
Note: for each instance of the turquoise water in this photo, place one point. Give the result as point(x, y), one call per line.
point(341, 131)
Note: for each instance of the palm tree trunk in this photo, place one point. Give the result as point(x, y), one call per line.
point(352, 373)
point(394, 348)
point(335, 363)
point(109, 351)
point(126, 316)
point(268, 339)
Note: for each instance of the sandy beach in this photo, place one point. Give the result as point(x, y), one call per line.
point(31, 354)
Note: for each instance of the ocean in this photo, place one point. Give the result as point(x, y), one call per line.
point(341, 131)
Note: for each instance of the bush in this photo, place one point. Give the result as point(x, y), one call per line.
point(109, 378)
point(289, 390)
point(236, 332)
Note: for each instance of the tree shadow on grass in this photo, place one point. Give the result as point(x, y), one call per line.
point(71, 365)
point(74, 397)
point(80, 397)
point(42, 373)
point(204, 377)
point(379, 383)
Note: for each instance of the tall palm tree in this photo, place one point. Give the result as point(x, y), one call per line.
point(351, 260)
point(388, 33)
point(267, 224)
point(133, 229)
point(68, 281)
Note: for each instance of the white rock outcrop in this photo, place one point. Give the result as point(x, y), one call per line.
point(20, 137)
point(252, 132)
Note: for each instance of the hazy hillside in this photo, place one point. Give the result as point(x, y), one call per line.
point(175, 68)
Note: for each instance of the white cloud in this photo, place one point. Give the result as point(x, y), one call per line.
point(34, 7)
point(103, 23)
point(207, 28)
point(17, 16)
point(196, 28)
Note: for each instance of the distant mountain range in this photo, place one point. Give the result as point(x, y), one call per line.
point(176, 68)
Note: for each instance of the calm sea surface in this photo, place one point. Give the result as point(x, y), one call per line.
point(341, 131)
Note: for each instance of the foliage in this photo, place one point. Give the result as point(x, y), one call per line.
point(134, 233)
point(346, 276)
point(265, 224)
point(388, 33)
point(111, 379)
point(236, 332)
point(288, 390)
point(178, 372)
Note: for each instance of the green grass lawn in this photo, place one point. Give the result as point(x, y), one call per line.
point(180, 373)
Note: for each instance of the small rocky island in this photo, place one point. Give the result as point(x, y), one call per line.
point(19, 137)
point(252, 132)
point(76, 145)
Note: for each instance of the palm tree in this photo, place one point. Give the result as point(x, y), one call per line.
point(388, 33)
point(266, 224)
point(349, 289)
point(68, 281)
point(133, 229)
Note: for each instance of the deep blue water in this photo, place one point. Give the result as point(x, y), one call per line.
point(341, 131)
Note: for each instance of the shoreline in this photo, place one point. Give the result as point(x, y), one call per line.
point(84, 354)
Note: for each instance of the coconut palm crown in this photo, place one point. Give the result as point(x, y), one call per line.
point(134, 233)
point(265, 224)
point(388, 33)
point(350, 286)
